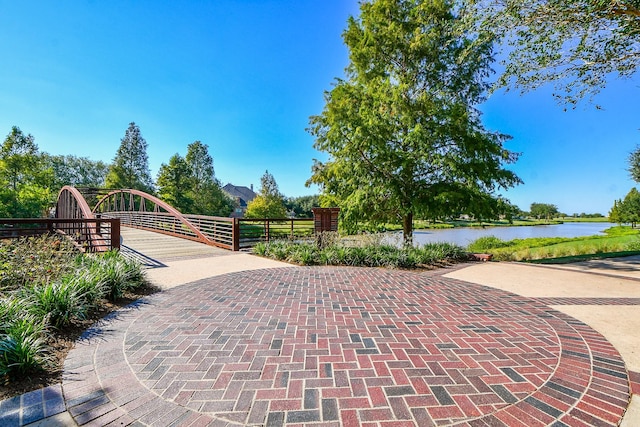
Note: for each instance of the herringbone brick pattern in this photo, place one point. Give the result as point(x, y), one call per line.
point(346, 347)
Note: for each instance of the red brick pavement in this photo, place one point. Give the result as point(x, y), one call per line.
point(344, 347)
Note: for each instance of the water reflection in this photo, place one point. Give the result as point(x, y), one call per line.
point(464, 236)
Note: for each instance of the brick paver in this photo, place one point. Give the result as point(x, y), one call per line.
point(343, 346)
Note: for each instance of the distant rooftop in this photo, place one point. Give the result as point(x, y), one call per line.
point(240, 192)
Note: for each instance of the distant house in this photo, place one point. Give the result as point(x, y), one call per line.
point(242, 195)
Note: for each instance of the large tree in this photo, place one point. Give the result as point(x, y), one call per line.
point(543, 210)
point(626, 210)
point(173, 182)
point(189, 183)
point(130, 167)
point(206, 192)
point(24, 177)
point(76, 171)
point(577, 44)
point(402, 130)
point(634, 164)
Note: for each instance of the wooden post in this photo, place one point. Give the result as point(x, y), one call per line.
point(266, 229)
point(235, 235)
point(115, 233)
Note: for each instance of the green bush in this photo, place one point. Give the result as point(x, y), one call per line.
point(23, 347)
point(59, 302)
point(367, 253)
point(34, 260)
point(112, 274)
point(487, 242)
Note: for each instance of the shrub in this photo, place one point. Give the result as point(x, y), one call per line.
point(34, 260)
point(112, 274)
point(23, 347)
point(369, 252)
point(59, 302)
point(487, 242)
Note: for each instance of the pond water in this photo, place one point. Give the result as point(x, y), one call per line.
point(464, 236)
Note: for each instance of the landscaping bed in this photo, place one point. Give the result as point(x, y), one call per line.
point(49, 295)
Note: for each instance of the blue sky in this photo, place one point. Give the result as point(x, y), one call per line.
point(243, 77)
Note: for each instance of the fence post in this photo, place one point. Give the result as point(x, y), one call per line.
point(235, 234)
point(98, 225)
point(266, 229)
point(115, 233)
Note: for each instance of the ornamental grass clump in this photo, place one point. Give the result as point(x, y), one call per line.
point(59, 303)
point(23, 346)
point(366, 252)
point(46, 286)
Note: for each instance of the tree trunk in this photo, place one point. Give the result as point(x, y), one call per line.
point(407, 229)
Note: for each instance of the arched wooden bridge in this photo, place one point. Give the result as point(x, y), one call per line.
point(97, 229)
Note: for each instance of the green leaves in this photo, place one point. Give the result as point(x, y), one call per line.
point(24, 180)
point(403, 129)
point(269, 203)
point(575, 44)
point(130, 167)
point(189, 183)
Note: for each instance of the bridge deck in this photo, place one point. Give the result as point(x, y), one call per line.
point(154, 248)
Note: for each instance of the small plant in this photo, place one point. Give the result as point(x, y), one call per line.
point(23, 348)
point(34, 260)
point(59, 302)
point(487, 242)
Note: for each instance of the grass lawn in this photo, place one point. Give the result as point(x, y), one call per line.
point(618, 240)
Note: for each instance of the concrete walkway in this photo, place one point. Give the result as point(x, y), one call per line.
point(246, 344)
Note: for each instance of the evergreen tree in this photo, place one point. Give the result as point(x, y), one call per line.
point(205, 190)
point(130, 167)
point(402, 131)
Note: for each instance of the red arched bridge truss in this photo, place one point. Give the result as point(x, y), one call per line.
point(73, 217)
point(138, 209)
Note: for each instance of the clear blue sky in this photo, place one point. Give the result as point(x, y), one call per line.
point(243, 76)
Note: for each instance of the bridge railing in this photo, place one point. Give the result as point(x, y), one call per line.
point(88, 234)
point(218, 230)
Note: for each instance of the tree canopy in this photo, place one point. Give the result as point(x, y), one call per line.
point(24, 178)
point(189, 184)
point(77, 171)
point(634, 164)
point(543, 210)
point(626, 210)
point(269, 203)
point(576, 44)
point(130, 167)
point(402, 130)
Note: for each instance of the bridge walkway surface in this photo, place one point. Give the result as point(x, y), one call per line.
point(235, 339)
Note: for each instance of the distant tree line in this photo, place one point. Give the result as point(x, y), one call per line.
point(627, 210)
point(30, 180)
